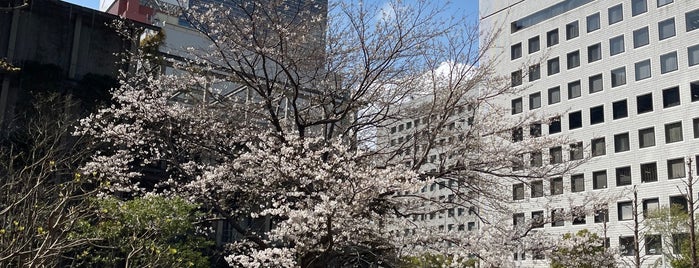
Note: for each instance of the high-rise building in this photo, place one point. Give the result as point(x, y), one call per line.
point(623, 77)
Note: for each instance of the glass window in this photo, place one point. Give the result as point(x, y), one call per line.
point(518, 191)
point(626, 247)
point(554, 95)
point(666, 28)
point(578, 215)
point(533, 44)
point(671, 97)
point(646, 137)
point(597, 115)
point(556, 155)
point(553, 66)
point(534, 101)
point(517, 134)
point(537, 189)
point(638, 7)
point(598, 147)
point(535, 159)
point(595, 83)
point(621, 142)
point(534, 72)
point(616, 45)
point(642, 69)
point(576, 151)
point(516, 78)
point(625, 211)
point(653, 244)
point(692, 20)
point(535, 130)
point(662, 3)
point(599, 179)
point(555, 125)
point(619, 109)
point(675, 168)
point(649, 172)
point(679, 202)
point(616, 14)
point(623, 176)
point(518, 219)
point(695, 126)
point(673, 132)
point(537, 220)
point(618, 77)
point(694, 90)
point(516, 51)
point(557, 218)
point(594, 52)
point(552, 38)
point(601, 215)
point(575, 120)
point(577, 183)
point(572, 30)
point(517, 106)
point(574, 89)
point(668, 62)
point(573, 59)
point(593, 22)
point(556, 186)
point(641, 37)
point(644, 103)
point(693, 55)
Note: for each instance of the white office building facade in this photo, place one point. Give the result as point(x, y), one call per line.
point(624, 78)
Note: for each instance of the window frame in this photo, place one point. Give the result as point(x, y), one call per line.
point(591, 20)
point(649, 172)
point(669, 62)
point(622, 174)
point(642, 67)
point(646, 137)
point(674, 126)
point(618, 77)
point(641, 37)
point(594, 52)
point(572, 30)
point(615, 14)
point(616, 109)
point(533, 45)
point(622, 142)
point(666, 25)
point(616, 45)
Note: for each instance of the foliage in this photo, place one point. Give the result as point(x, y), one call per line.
point(152, 231)
point(435, 261)
point(669, 222)
point(583, 249)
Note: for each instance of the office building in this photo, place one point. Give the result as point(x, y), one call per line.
point(623, 78)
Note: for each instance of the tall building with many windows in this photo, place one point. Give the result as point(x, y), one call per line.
point(623, 76)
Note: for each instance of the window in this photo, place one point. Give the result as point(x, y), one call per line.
point(576, 151)
point(535, 130)
point(572, 30)
point(625, 211)
point(649, 172)
point(593, 22)
point(641, 37)
point(594, 52)
point(574, 89)
point(642, 69)
point(599, 179)
point(533, 44)
point(616, 14)
point(597, 115)
point(668, 62)
point(598, 147)
point(575, 120)
point(623, 176)
point(646, 137)
point(556, 186)
point(664, 2)
point(537, 219)
point(666, 28)
point(693, 55)
point(472, 225)
point(577, 183)
point(553, 66)
point(516, 51)
point(517, 106)
point(638, 7)
point(535, 159)
point(516, 78)
point(675, 168)
point(694, 90)
point(653, 243)
point(555, 125)
point(619, 77)
point(595, 83)
point(616, 45)
point(650, 205)
point(601, 215)
point(671, 97)
point(619, 109)
point(678, 240)
point(534, 101)
point(626, 247)
point(573, 59)
point(644, 103)
point(556, 155)
point(673, 132)
point(621, 142)
point(692, 20)
point(517, 134)
point(557, 218)
point(518, 191)
point(555, 95)
point(534, 72)
point(552, 38)
point(695, 126)
point(537, 189)
point(679, 202)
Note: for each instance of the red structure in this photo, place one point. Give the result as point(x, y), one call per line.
point(131, 9)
